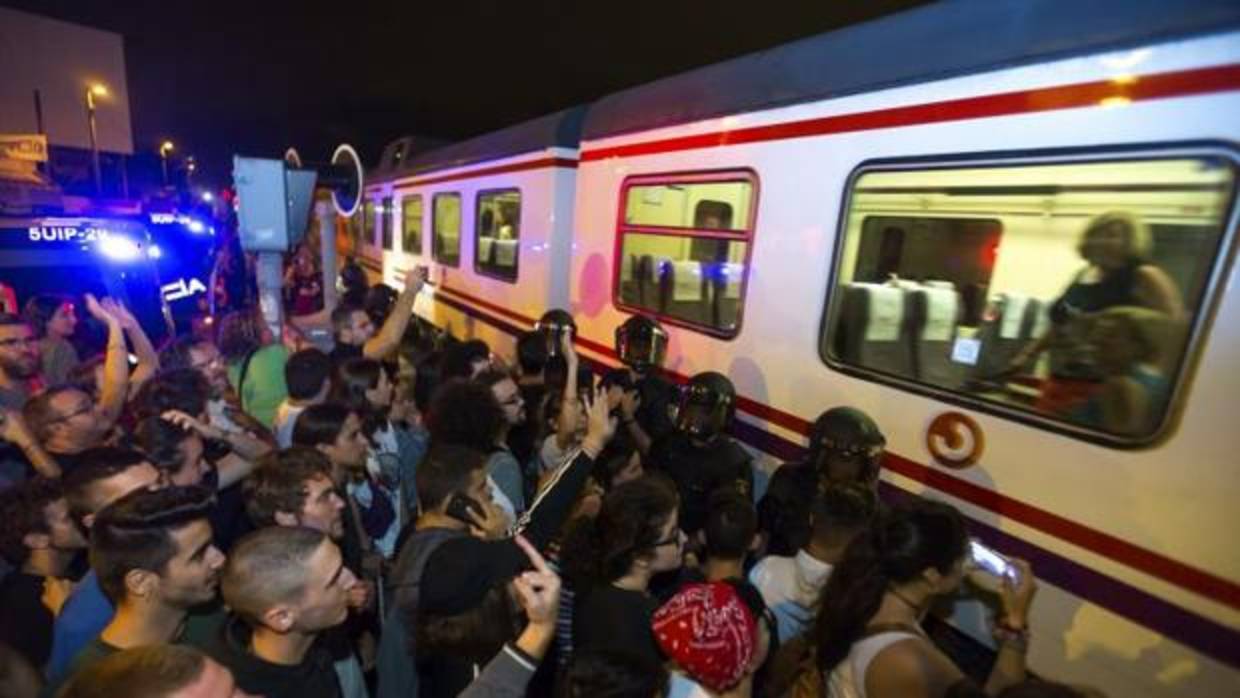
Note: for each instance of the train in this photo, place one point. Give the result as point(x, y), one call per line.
point(886, 216)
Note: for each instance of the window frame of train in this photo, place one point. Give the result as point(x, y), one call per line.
point(739, 232)
point(388, 213)
point(406, 206)
point(1200, 311)
point(488, 269)
point(436, 240)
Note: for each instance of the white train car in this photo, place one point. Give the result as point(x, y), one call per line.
point(838, 221)
point(491, 218)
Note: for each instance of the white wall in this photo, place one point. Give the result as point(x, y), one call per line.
point(61, 60)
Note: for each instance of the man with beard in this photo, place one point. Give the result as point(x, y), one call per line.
point(223, 406)
point(153, 554)
point(65, 419)
point(19, 361)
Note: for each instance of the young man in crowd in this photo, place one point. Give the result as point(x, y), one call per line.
point(66, 420)
point(294, 488)
point(355, 333)
point(790, 586)
point(286, 585)
point(153, 553)
point(223, 406)
point(308, 377)
point(716, 636)
point(39, 538)
point(154, 671)
point(109, 474)
point(728, 536)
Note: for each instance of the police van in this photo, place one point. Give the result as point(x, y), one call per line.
point(76, 255)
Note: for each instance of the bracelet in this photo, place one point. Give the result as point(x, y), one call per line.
point(1016, 639)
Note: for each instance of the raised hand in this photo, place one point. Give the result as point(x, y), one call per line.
point(189, 423)
point(601, 425)
point(415, 278)
point(99, 312)
point(539, 589)
point(118, 310)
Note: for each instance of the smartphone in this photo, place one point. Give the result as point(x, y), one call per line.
point(991, 561)
point(460, 505)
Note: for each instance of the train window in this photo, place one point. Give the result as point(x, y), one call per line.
point(1065, 294)
point(388, 216)
point(446, 229)
point(497, 229)
point(684, 248)
point(355, 233)
point(411, 224)
point(368, 222)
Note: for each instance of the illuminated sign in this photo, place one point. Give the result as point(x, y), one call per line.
point(61, 233)
point(181, 288)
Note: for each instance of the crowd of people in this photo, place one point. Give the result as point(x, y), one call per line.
point(411, 515)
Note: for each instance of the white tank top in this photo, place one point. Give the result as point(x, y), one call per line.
point(847, 680)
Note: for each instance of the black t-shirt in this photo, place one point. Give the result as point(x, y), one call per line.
point(69, 462)
point(343, 352)
point(699, 470)
point(25, 623)
point(607, 618)
point(314, 677)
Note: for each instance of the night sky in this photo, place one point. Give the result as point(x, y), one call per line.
point(255, 77)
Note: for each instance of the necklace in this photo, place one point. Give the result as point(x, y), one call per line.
point(917, 612)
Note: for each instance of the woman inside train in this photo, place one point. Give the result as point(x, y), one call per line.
point(1117, 247)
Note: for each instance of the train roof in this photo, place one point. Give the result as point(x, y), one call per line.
point(560, 129)
point(931, 42)
point(955, 38)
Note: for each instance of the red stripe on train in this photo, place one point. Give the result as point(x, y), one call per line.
point(1181, 83)
point(1154, 564)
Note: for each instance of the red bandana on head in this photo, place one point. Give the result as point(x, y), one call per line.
point(709, 631)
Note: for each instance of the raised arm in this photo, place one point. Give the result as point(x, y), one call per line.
point(388, 337)
point(115, 364)
point(148, 358)
point(566, 425)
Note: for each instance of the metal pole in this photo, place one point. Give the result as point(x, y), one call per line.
point(163, 162)
point(94, 141)
point(325, 212)
point(270, 279)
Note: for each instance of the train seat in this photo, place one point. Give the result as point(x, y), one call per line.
point(873, 330)
point(934, 316)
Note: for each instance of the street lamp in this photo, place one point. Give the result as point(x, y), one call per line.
point(95, 90)
point(165, 148)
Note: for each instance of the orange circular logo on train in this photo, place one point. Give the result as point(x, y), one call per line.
point(955, 440)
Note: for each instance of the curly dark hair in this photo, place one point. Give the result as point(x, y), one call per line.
point(465, 413)
point(22, 512)
point(631, 520)
point(241, 334)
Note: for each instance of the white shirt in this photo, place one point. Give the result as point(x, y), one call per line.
point(681, 686)
point(286, 417)
point(790, 587)
point(552, 457)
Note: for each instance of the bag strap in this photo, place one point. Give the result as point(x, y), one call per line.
point(245, 371)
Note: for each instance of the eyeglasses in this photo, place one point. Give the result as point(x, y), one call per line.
point(81, 410)
point(514, 400)
point(678, 537)
point(18, 341)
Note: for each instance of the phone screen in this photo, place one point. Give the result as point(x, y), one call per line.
point(991, 561)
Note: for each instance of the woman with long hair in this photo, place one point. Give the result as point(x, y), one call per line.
point(868, 636)
point(54, 319)
point(609, 560)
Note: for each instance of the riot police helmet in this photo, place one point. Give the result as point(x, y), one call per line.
point(847, 445)
point(641, 343)
point(707, 404)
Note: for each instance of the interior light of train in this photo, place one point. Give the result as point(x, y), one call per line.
point(118, 248)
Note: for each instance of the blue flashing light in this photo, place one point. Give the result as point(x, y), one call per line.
point(196, 227)
point(154, 252)
point(118, 248)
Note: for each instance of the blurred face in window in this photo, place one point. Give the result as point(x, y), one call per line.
point(1107, 246)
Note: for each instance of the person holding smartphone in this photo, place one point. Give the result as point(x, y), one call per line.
point(868, 636)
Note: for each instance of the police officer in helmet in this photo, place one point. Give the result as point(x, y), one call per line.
point(645, 411)
point(845, 445)
point(698, 456)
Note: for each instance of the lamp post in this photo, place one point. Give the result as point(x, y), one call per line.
point(95, 90)
point(165, 148)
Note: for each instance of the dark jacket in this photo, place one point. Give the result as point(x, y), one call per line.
point(314, 677)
